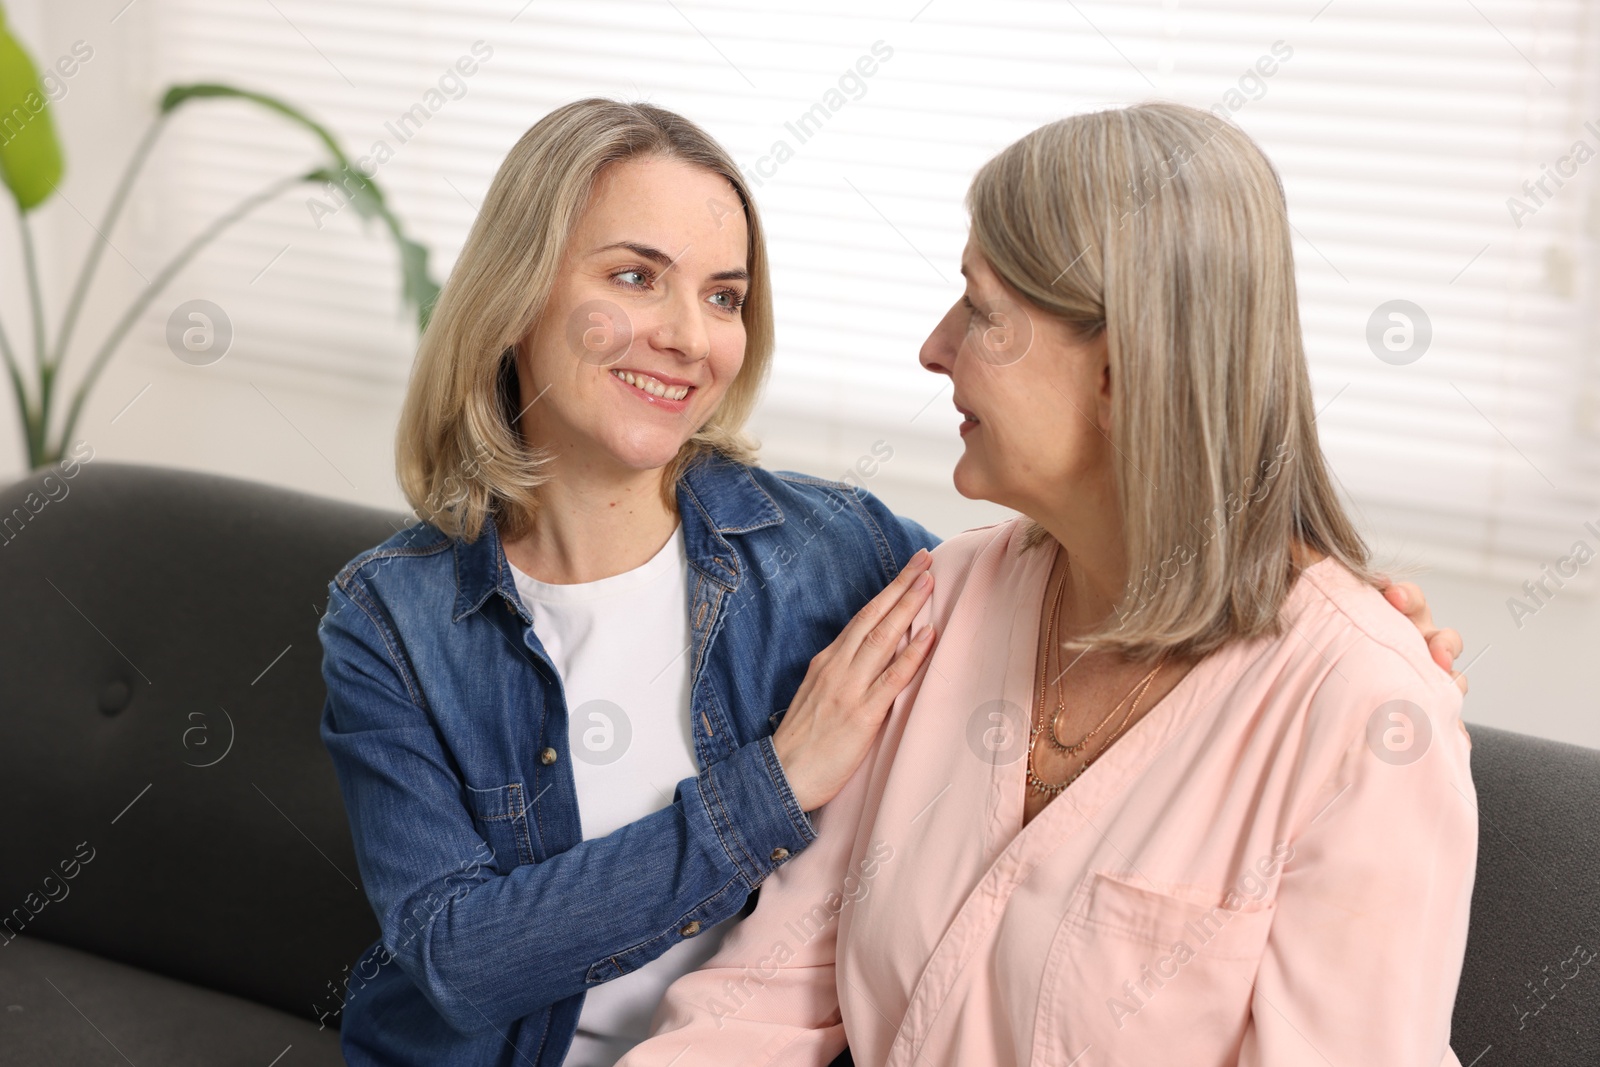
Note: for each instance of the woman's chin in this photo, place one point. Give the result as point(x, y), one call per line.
point(969, 479)
point(646, 455)
point(975, 483)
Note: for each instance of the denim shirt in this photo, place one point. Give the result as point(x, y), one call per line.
point(447, 726)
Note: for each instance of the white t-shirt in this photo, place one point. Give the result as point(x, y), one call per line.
point(621, 648)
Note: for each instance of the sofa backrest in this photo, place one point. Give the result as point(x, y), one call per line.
point(168, 801)
point(1527, 998)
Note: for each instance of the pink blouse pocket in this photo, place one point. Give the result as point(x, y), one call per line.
point(1148, 973)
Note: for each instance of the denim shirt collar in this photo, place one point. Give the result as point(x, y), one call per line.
point(716, 496)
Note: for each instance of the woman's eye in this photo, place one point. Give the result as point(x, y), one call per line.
point(728, 300)
point(631, 277)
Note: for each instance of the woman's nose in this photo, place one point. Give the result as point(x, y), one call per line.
point(682, 328)
point(938, 353)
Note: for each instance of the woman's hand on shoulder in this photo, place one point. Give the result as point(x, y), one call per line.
point(1444, 645)
point(850, 687)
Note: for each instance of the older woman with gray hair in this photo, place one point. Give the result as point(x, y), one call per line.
point(1176, 786)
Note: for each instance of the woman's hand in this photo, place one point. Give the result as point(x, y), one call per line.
point(1444, 645)
point(850, 687)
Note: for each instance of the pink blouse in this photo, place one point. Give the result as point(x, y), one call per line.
point(1273, 866)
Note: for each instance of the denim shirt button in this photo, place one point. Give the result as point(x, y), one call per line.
point(779, 854)
point(547, 757)
point(692, 928)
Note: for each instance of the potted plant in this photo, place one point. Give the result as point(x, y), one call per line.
point(31, 167)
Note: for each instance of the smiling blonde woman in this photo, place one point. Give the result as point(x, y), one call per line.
point(607, 648)
point(1176, 786)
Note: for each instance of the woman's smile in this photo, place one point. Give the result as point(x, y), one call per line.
point(969, 421)
point(671, 394)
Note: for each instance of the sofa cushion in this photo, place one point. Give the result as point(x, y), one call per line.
point(73, 1009)
point(1526, 998)
point(169, 801)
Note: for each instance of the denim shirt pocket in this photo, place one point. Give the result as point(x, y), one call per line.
point(500, 816)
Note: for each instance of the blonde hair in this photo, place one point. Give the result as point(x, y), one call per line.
point(1166, 228)
point(459, 454)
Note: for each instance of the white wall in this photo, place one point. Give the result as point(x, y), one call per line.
point(338, 441)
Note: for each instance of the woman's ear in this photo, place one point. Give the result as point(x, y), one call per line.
point(1101, 353)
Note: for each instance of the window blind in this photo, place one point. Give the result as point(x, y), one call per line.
point(1412, 141)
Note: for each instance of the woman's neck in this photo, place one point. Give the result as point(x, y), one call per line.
point(1094, 580)
point(1089, 532)
point(1091, 537)
point(588, 528)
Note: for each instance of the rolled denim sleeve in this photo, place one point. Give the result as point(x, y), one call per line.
point(487, 948)
point(748, 800)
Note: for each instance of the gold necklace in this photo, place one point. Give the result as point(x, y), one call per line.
point(1038, 784)
point(1082, 743)
point(1044, 672)
point(1053, 736)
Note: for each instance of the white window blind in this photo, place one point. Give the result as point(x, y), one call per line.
point(1400, 131)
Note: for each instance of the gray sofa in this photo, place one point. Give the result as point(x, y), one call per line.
point(177, 883)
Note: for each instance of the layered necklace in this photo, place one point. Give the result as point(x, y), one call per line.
point(1049, 728)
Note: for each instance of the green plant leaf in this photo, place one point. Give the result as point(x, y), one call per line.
point(418, 286)
point(30, 154)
